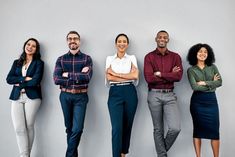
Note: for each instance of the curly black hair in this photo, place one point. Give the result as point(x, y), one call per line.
point(36, 55)
point(192, 54)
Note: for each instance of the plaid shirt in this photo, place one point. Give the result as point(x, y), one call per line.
point(73, 64)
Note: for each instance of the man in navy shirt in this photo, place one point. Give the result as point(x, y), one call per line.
point(73, 72)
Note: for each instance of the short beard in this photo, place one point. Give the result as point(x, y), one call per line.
point(73, 48)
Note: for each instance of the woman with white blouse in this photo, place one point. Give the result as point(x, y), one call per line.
point(122, 76)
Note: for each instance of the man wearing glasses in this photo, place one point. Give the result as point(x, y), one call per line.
point(73, 72)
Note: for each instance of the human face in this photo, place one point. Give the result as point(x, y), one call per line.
point(122, 44)
point(162, 39)
point(73, 41)
point(202, 54)
point(30, 47)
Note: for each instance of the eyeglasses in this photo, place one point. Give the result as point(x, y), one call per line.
point(71, 39)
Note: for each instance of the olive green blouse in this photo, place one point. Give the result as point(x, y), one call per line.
point(195, 74)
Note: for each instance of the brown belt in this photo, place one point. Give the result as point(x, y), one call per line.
point(74, 91)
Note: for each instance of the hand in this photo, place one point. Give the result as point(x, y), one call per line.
point(133, 69)
point(176, 69)
point(157, 73)
point(85, 69)
point(216, 77)
point(28, 78)
point(65, 74)
point(201, 83)
point(17, 85)
point(109, 71)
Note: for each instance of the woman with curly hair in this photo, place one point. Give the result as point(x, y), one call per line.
point(204, 78)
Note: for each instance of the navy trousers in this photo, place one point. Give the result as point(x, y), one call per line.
point(122, 104)
point(74, 109)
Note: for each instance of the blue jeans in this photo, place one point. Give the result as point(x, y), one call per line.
point(122, 104)
point(74, 109)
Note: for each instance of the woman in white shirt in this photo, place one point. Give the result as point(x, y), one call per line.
point(122, 76)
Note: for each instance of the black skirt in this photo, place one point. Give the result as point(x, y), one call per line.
point(205, 114)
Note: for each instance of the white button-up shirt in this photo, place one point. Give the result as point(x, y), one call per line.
point(121, 65)
point(24, 71)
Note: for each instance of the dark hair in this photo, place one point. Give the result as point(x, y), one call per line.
point(162, 31)
point(36, 55)
point(73, 32)
point(122, 34)
point(192, 54)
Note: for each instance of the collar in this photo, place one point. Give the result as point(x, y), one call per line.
point(116, 56)
point(196, 66)
point(78, 53)
point(159, 53)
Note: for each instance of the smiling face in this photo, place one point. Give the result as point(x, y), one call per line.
point(73, 41)
point(30, 47)
point(162, 39)
point(122, 44)
point(202, 54)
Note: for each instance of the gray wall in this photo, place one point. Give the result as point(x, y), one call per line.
point(98, 22)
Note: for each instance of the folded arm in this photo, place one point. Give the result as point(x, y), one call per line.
point(12, 78)
point(36, 78)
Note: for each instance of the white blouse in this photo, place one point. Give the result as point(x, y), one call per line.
point(121, 65)
point(24, 71)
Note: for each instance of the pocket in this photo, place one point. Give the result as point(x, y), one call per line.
point(85, 97)
point(150, 97)
point(113, 91)
point(110, 91)
point(174, 96)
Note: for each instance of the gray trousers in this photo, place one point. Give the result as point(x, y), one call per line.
point(164, 108)
point(23, 112)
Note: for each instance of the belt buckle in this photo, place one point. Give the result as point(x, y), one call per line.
point(126, 83)
point(162, 90)
point(121, 84)
point(166, 90)
point(73, 91)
